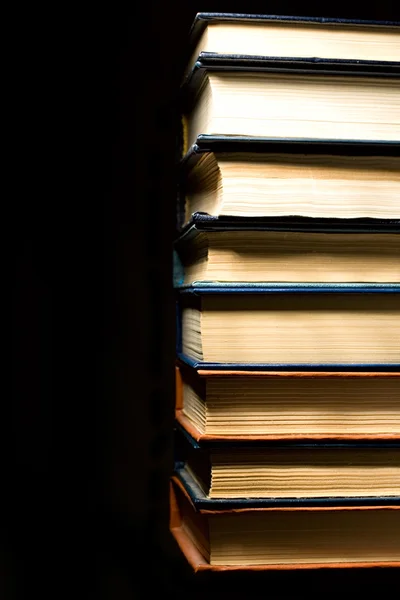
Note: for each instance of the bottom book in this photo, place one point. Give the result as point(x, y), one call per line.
point(284, 538)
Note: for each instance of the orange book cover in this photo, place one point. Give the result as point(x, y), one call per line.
point(184, 371)
point(182, 508)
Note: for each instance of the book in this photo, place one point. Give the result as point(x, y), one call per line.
point(239, 178)
point(292, 37)
point(219, 406)
point(285, 537)
point(246, 471)
point(287, 252)
point(292, 326)
point(291, 105)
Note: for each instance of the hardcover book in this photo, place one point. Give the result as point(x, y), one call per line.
point(280, 104)
point(225, 250)
point(286, 537)
point(219, 406)
point(248, 472)
point(230, 177)
point(289, 326)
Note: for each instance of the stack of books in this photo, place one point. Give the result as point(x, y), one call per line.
point(287, 279)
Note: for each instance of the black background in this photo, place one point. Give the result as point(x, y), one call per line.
point(94, 340)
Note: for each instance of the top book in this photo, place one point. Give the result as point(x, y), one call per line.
point(293, 37)
point(292, 78)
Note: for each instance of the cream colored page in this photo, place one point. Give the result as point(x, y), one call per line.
point(344, 187)
point(302, 537)
point(301, 405)
point(306, 473)
point(302, 328)
point(298, 257)
point(304, 40)
point(303, 107)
